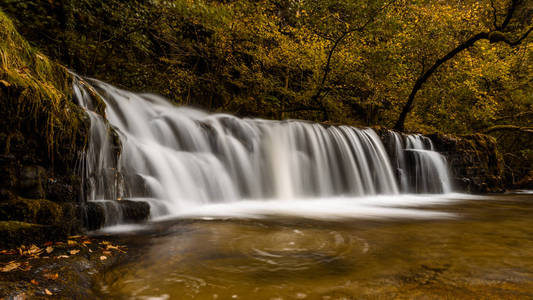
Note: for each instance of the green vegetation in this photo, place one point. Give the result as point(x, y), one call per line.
point(40, 120)
point(335, 61)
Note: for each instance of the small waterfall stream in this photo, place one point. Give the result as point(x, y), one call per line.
point(178, 157)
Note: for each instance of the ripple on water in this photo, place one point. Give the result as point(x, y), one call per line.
point(287, 249)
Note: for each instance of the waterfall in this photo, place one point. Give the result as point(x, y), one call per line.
point(419, 167)
point(178, 157)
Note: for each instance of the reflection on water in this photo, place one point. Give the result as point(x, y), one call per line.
point(486, 251)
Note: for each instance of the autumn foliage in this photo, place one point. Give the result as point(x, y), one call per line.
point(337, 61)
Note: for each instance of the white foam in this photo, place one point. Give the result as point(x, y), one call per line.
point(332, 208)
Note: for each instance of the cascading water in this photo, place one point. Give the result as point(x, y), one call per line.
point(181, 157)
point(419, 167)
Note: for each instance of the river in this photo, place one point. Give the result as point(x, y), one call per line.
point(456, 246)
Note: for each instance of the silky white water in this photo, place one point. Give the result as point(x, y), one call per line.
point(182, 159)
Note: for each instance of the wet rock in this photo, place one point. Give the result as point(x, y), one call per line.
point(38, 211)
point(97, 214)
point(93, 215)
point(476, 165)
point(135, 211)
point(32, 182)
point(8, 174)
point(59, 190)
point(525, 183)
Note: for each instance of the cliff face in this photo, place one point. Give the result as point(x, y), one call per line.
point(475, 164)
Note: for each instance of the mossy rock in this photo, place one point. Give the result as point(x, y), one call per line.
point(95, 213)
point(474, 160)
point(38, 211)
point(15, 233)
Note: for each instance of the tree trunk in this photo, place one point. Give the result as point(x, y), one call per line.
point(424, 77)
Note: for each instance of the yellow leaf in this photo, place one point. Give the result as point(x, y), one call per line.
point(51, 276)
point(49, 249)
point(103, 257)
point(10, 266)
point(46, 291)
point(74, 252)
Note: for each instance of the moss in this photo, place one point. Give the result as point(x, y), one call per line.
point(36, 94)
point(16, 225)
point(15, 233)
point(41, 211)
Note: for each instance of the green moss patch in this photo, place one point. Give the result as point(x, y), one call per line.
point(35, 93)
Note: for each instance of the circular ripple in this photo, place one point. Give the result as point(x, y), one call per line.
point(290, 249)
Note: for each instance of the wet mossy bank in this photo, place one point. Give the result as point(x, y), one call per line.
point(42, 133)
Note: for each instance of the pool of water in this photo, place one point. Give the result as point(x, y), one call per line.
point(451, 247)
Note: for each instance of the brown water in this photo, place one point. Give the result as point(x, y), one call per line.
point(484, 252)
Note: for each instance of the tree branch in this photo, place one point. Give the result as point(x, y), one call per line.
point(508, 128)
point(492, 36)
point(495, 17)
point(422, 79)
point(509, 15)
point(500, 37)
point(316, 97)
point(519, 115)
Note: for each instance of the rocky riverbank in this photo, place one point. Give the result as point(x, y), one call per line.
point(475, 164)
point(62, 269)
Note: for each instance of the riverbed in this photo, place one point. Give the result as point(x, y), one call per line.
point(461, 246)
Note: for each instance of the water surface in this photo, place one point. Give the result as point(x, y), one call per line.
point(454, 247)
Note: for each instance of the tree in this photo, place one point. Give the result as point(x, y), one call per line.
point(499, 33)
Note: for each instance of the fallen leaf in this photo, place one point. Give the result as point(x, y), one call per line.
point(48, 243)
point(46, 291)
point(87, 242)
point(5, 83)
point(103, 257)
point(12, 265)
point(49, 249)
point(71, 243)
point(62, 256)
point(108, 253)
point(74, 252)
point(34, 250)
point(26, 268)
point(51, 276)
point(35, 282)
point(74, 237)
